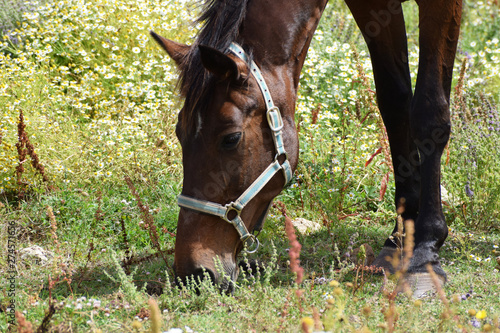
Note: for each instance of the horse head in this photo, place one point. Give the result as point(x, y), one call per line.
point(237, 152)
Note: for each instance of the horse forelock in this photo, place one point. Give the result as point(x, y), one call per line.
point(221, 22)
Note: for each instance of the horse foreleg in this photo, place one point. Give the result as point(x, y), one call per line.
point(430, 124)
point(383, 27)
point(418, 127)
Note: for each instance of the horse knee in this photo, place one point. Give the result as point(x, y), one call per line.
point(430, 123)
point(433, 141)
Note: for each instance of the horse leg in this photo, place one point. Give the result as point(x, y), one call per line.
point(430, 124)
point(382, 25)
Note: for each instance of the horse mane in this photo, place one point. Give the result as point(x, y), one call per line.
point(221, 22)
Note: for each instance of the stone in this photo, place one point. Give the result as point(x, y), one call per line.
point(305, 226)
point(36, 253)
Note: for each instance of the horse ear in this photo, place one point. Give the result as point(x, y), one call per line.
point(176, 51)
point(219, 64)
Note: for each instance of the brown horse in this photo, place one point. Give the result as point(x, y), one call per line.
point(238, 135)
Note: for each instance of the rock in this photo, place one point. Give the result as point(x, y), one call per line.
point(305, 226)
point(36, 253)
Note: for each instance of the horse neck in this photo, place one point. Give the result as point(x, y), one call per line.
point(279, 32)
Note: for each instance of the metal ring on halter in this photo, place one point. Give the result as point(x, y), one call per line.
point(255, 241)
point(282, 154)
point(229, 208)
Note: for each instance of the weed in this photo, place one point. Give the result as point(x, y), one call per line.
point(24, 326)
point(61, 270)
point(98, 216)
point(155, 316)
point(44, 327)
point(127, 286)
point(150, 224)
point(25, 147)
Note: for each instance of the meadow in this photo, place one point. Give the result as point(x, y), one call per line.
point(90, 169)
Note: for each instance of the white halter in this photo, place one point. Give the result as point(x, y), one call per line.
point(275, 122)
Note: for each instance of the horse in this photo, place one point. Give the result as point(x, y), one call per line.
point(239, 80)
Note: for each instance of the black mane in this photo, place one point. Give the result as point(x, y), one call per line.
point(221, 22)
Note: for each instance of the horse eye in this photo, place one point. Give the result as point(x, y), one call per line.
point(230, 141)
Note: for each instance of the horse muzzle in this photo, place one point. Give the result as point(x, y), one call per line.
point(223, 275)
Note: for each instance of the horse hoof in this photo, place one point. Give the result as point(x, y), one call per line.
point(423, 285)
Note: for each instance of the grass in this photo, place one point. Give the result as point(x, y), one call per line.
point(99, 105)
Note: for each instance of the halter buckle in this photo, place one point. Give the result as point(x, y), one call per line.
point(274, 119)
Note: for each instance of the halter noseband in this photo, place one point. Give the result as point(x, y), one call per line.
point(227, 211)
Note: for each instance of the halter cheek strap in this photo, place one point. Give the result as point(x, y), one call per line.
point(231, 212)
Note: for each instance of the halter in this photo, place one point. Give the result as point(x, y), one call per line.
point(231, 212)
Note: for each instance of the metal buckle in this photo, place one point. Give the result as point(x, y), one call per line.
point(270, 119)
point(247, 246)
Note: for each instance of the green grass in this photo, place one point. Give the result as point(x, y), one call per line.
point(99, 102)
